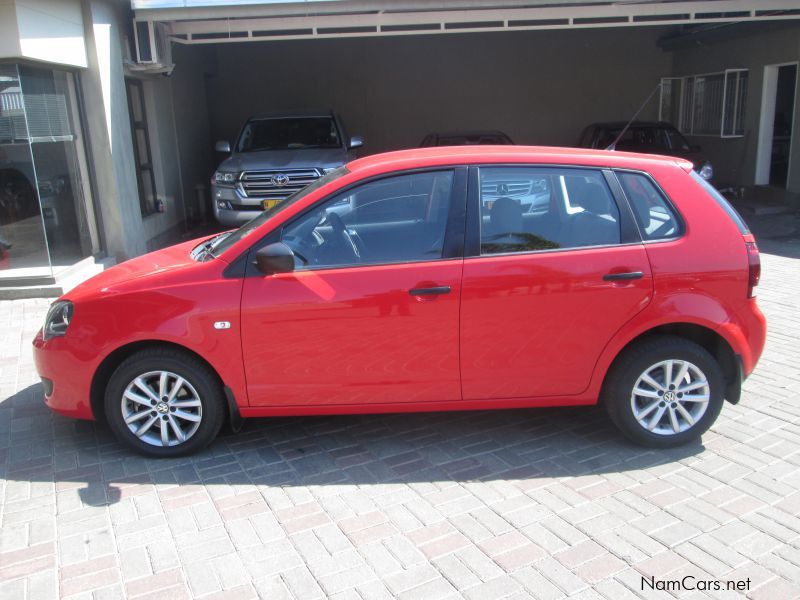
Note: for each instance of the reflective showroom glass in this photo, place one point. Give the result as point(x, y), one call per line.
point(45, 211)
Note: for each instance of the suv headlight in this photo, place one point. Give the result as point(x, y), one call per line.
point(224, 177)
point(706, 171)
point(57, 320)
point(327, 170)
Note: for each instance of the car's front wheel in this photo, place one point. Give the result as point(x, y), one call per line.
point(165, 403)
point(664, 392)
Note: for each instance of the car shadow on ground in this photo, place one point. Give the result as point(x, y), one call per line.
point(39, 446)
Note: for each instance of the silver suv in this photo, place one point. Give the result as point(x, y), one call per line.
point(276, 155)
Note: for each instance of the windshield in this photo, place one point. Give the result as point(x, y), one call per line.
point(676, 139)
point(222, 242)
point(288, 134)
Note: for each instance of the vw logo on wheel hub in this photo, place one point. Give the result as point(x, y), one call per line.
point(280, 179)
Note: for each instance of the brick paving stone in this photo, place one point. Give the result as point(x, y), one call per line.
point(540, 503)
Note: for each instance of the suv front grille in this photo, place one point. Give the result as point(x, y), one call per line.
point(269, 183)
point(495, 189)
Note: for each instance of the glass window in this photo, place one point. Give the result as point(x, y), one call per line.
point(723, 203)
point(397, 219)
point(525, 209)
point(709, 104)
point(288, 134)
point(223, 241)
point(23, 249)
point(655, 217)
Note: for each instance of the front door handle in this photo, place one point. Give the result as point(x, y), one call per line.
point(623, 276)
point(430, 291)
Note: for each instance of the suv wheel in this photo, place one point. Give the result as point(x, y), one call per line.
point(664, 392)
point(164, 403)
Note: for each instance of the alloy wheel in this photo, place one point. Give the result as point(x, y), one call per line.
point(670, 396)
point(161, 408)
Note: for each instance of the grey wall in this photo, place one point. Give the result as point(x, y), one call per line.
point(540, 87)
point(735, 159)
point(188, 83)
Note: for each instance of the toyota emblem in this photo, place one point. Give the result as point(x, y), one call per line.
point(280, 179)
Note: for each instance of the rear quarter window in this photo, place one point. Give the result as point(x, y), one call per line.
point(655, 216)
point(723, 203)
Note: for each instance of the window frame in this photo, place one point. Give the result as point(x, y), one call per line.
point(664, 196)
point(141, 167)
point(452, 248)
point(686, 98)
point(629, 231)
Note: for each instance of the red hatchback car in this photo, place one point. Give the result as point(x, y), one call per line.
point(389, 285)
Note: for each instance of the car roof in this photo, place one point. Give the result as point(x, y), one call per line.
point(283, 114)
point(454, 155)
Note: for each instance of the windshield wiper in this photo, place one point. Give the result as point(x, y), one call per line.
point(205, 249)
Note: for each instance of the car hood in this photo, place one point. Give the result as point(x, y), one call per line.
point(168, 266)
point(285, 159)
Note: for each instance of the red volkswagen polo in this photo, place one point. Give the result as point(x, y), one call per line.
point(428, 280)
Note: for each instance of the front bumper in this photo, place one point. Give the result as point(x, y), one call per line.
point(68, 385)
point(242, 208)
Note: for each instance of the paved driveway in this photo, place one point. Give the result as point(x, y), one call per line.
point(536, 503)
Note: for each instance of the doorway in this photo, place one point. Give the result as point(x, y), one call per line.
point(777, 123)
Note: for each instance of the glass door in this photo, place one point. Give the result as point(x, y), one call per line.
point(23, 245)
point(53, 132)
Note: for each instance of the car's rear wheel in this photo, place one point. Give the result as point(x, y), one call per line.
point(162, 402)
point(664, 392)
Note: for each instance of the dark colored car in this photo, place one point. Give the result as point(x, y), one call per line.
point(647, 138)
point(474, 138)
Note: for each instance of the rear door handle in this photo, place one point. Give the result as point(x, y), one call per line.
point(430, 291)
point(623, 276)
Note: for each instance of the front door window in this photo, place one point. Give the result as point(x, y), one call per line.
point(393, 220)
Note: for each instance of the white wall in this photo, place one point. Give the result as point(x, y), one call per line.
point(109, 132)
point(46, 30)
point(540, 87)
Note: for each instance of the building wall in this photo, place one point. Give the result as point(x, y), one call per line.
point(735, 159)
point(109, 131)
point(188, 85)
point(166, 161)
point(44, 30)
point(540, 87)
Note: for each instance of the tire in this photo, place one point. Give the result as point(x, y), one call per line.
point(196, 411)
point(628, 395)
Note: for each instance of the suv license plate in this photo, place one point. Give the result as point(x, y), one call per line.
point(267, 204)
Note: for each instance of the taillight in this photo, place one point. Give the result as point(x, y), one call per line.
point(753, 268)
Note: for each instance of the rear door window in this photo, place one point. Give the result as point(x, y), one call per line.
point(657, 220)
point(525, 209)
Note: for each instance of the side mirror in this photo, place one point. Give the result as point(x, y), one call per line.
point(223, 146)
point(356, 141)
point(275, 258)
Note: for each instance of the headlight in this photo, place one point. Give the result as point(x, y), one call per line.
point(224, 178)
point(706, 171)
point(327, 170)
point(57, 320)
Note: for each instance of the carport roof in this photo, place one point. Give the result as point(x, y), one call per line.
point(218, 21)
